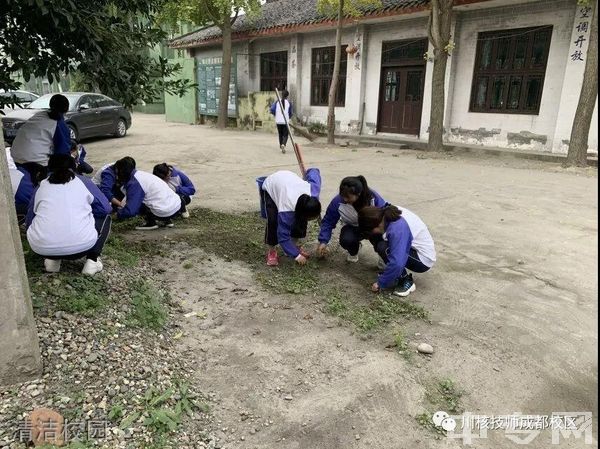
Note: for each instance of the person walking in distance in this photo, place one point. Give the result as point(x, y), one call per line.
point(282, 116)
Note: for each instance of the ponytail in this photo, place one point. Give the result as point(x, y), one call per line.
point(61, 168)
point(370, 217)
point(357, 185)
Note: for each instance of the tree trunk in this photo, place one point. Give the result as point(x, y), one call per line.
point(578, 143)
point(439, 27)
point(438, 92)
point(335, 76)
point(225, 74)
point(20, 358)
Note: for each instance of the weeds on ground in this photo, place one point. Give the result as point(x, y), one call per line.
point(68, 292)
point(148, 306)
point(162, 412)
point(401, 345)
point(129, 253)
point(442, 395)
point(239, 239)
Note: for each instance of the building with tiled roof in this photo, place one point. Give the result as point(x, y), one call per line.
point(513, 79)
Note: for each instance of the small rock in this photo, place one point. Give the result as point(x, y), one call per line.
point(288, 397)
point(92, 357)
point(357, 437)
point(521, 262)
point(35, 393)
point(425, 348)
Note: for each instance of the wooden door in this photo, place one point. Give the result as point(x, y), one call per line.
point(401, 100)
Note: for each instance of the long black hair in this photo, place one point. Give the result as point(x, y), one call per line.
point(357, 185)
point(370, 217)
point(59, 105)
point(61, 168)
point(307, 207)
point(124, 168)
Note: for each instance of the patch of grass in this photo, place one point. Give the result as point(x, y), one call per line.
point(72, 293)
point(187, 265)
point(446, 396)
point(401, 345)
point(163, 411)
point(442, 395)
point(118, 250)
point(239, 239)
point(148, 306)
point(379, 312)
point(425, 420)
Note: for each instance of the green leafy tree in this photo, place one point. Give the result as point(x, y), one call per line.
point(578, 143)
point(439, 31)
point(106, 41)
point(220, 13)
point(339, 9)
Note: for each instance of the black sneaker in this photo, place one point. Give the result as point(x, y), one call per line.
point(166, 223)
point(406, 286)
point(148, 226)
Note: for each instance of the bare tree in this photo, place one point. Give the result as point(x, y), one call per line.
point(578, 143)
point(439, 30)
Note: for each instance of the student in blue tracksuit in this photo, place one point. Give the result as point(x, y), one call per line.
point(68, 218)
point(282, 116)
point(22, 187)
point(106, 179)
point(147, 195)
point(178, 182)
point(78, 153)
point(290, 202)
point(354, 195)
point(43, 134)
point(408, 245)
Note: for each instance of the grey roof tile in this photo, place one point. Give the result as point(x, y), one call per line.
point(284, 13)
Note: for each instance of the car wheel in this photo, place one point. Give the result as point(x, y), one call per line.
point(72, 132)
point(121, 128)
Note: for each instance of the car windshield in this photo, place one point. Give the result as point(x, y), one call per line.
point(44, 102)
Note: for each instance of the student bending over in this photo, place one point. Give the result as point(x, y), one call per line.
point(78, 153)
point(354, 195)
point(106, 180)
point(22, 188)
point(409, 246)
point(179, 183)
point(148, 196)
point(291, 203)
point(68, 218)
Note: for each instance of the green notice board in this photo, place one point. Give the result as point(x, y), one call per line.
point(209, 86)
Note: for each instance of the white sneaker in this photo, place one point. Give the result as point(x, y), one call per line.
point(352, 259)
point(185, 214)
point(52, 266)
point(381, 264)
point(282, 147)
point(91, 267)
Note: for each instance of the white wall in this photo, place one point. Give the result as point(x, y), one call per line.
point(560, 15)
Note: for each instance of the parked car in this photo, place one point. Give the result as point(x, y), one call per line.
point(15, 99)
point(89, 115)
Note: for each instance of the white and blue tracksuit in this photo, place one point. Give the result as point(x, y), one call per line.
point(282, 116)
point(406, 237)
point(39, 137)
point(180, 183)
point(82, 165)
point(106, 180)
point(61, 220)
point(346, 213)
point(145, 189)
point(283, 189)
point(22, 188)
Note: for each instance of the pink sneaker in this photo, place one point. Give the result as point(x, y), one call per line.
point(272, 258)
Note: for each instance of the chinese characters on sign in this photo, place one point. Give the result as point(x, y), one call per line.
point(209, 87)
point(582, 28)
point(48, 431)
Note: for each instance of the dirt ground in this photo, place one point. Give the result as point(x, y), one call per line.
point(512, 298)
